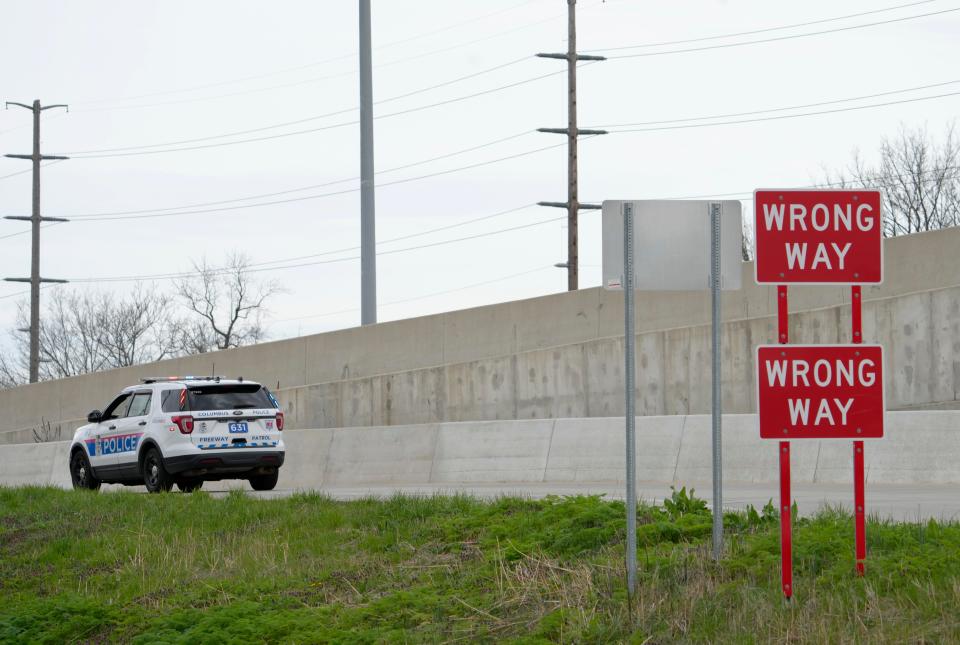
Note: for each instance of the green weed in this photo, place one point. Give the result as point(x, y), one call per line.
point(172, 568)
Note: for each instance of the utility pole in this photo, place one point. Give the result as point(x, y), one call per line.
point(368, 231)
point(572, 204)
point(35, 219)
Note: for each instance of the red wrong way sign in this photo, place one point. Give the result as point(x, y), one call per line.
point(820, 391)
point(818, 236)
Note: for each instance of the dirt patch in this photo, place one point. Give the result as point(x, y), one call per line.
point(13, 539)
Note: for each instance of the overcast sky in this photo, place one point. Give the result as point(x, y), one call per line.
point(142, 73)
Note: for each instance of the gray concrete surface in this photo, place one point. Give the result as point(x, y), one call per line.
point(915, 469)
point(561, 355)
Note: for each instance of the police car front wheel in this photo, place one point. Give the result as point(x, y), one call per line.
point(155, 476)
point(81, 474)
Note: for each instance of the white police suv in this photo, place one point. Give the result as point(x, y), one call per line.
point(183, 431)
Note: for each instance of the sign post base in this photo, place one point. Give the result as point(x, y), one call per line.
point(859, 506)
point(786, 541)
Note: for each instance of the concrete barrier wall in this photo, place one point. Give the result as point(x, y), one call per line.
point(920, 448)
point(561, 355)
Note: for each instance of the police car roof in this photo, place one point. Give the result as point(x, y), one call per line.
point(194, 380)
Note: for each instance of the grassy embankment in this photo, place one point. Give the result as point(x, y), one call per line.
point(192, 568)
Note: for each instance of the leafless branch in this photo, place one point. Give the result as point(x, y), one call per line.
point(918, 178)
point(228, 305)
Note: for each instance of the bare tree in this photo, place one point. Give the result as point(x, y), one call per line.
point(747, 241)
point(45, 432)
point(919, 181)
point(69, 333)
point(140, 329)
point(88, 331)
point(11, 372)
point(228, 305)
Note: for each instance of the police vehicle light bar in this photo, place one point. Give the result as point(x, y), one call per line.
point(156, 379)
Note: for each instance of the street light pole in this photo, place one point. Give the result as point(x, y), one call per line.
point(368, 235)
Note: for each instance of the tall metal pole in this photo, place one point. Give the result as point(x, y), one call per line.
point(715, 211)
point(35, 252)
point(573, 251)
point(629, 341)
point(35, 219)
point(572, 204)
point(368, 236)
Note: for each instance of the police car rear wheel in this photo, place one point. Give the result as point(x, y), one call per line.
point(189, 485)
point(155, 476)
point(81, 474)
point(265, 482)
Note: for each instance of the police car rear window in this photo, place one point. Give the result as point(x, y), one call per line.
point(174, 400)
point(228, 397)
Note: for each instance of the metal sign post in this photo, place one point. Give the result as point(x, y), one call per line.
point(630, 339)
point(786, 536)
point(819, 391)
point(859, 504)
point(717, 408)
point(661, 245)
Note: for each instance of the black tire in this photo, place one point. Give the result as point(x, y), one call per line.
point(80, 472)
point(265, 482)
point(155, 476)
point(189, 485)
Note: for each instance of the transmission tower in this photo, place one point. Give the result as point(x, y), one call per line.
point(35, 219)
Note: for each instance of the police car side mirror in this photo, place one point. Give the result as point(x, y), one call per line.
point(94, 417)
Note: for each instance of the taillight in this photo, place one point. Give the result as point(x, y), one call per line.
point(280, 421)
point(185, 424)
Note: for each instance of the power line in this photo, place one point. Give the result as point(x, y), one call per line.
point(334, 182)
point(400, 238)
point(81, 155)
point(790, 116)
point(354, 72)
point(161, 212)
point(107, 215)
point(23, 172)
point(779, 38)
point(306, 119)
point(642, 129)
point(158, 211)
point(297, 68)
point(257, 266)
point(455, 25)
point(422, 55)
point(779, 109)
point(169, 276)
point(350, 248)
point(3, 237)
point(43, 287)
point(28, 124)
point(421, 297)
point(214, 97)
point(85, 154)
point(96, 217)
point(111, 152)
point(759, 31)
point(515, 209)
point(747, 195)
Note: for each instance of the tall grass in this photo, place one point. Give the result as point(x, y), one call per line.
point(81, 567)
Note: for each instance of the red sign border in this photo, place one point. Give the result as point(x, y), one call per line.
point(883, 389)
point(756, 278)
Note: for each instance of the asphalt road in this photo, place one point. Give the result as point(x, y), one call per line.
point(899, 502)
